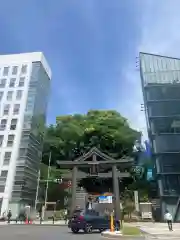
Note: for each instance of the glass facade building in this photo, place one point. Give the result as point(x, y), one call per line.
point(30, 150)
point(24, 88)
point(160, 78)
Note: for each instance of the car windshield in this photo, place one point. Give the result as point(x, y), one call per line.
point(81, 212)
point(91, 212)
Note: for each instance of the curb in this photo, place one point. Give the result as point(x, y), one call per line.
point(33, 224)
point(123, 237)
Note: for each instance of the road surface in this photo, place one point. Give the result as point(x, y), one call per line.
point(34, 232)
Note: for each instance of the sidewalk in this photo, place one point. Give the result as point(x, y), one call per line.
point(37, 222)
point(159, 230)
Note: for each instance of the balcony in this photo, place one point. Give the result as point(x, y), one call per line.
point(163, 116)
point(171, 185)
point(156, 85)
point(165, 131)
point(171, 192)
point(168, 164)
point(168, 173)
point(176, 101)
point(159, 92)
point(166, 143)
point(163, 109)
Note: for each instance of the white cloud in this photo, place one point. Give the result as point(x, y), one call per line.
point(160, 24)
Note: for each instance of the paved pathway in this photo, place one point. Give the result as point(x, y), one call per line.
point(159, 230)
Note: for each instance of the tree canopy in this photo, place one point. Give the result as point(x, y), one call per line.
point(73, 135)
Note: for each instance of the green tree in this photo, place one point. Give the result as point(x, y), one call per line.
point(127, 199)
point(74, 135)
point(141, 183)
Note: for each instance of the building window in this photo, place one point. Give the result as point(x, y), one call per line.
point(3, 124)
point(1, 139)
point(7, 158)
point(6, 71)
point(21, 82)
point(24, 69)
point(3, 178)
point(16, 109)
point(12, 82)
point(13, 124)
point(14, 70)
point(29, 106)
point(27, 122)
point(19, 94)
point(10, 140)
point(3, 83)
point(6, 109)
point(4, 173)
point(1, 95)
point(22, 152)
point(2, 188)
point(9, 95)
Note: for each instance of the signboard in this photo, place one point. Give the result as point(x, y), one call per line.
point(105, 199)
point(138, 171)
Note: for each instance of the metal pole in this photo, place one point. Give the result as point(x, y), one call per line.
point(37, 190)
point(73, 190)
point(47, 182)
point(116, 193)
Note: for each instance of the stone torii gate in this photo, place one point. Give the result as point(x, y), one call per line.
point(100, 165)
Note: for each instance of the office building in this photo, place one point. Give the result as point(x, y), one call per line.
point(24, 87)
point(160, 77)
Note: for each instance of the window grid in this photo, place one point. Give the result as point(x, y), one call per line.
point(24, 69)
point(5, 71)
point(4, 173)
point(2, 188)
point(12, 82)
point(21, 82)
point(6, 109)
point(3, 82)
point(10, 140)
point(13, 124)
point(16, 109)
point(1, 95)
point(14, 70)
point(9, 95)
point(1, 139)
point(19, 94)
point(7, 158)
point(3, 124)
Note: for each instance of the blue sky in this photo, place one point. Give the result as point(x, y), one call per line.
point(91, 47)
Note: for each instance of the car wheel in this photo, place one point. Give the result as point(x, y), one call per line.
point(101, 230)
point(75, 230)
point(88, 228)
